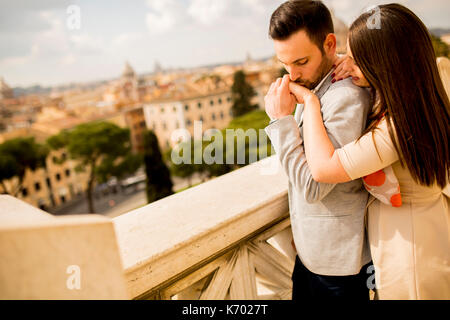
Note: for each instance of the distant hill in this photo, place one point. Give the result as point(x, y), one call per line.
point(37, 89)
point(439, 32)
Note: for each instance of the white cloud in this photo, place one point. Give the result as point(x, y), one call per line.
point(85, 43)
point(68, 59)
point(164, 15)
point(21, 60)
point(207, 12)
point(259, 6)
point(125, 39)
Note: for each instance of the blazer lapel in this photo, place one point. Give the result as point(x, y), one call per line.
point(320, 92)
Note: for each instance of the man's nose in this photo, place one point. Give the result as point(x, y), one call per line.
point(294, 74)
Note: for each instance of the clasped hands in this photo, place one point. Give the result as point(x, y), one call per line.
point(284, 95)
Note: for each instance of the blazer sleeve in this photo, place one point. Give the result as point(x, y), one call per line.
point(344, 113)
point(287, 142)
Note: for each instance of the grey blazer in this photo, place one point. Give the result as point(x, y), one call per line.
point(327, 219)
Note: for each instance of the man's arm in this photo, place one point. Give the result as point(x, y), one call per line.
point(288, 144)
point(344, 113)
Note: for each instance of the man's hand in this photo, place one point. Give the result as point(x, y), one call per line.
point(279, 100)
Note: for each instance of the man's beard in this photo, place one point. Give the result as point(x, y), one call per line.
point(322, 70)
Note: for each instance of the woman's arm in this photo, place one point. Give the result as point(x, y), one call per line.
point(322, 159)
point(373, 152)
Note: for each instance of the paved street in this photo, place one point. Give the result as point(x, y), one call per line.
point(115, 204)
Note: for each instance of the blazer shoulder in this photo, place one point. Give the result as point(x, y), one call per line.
point(343, 94)
point(345, 88)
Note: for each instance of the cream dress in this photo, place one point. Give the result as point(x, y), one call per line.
point(410, 245)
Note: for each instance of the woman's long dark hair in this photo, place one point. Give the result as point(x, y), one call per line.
point(399, 63)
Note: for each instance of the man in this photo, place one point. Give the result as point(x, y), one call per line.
point(327, 220)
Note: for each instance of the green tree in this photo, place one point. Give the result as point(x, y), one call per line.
point(102, 149)
point(242, 93)
point(253, 120)
point(185, 169)
point(256, 120)
point(159, 184)
point(440, 47)
point(18, 155)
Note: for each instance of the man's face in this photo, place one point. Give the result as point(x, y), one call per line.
point(302, 59)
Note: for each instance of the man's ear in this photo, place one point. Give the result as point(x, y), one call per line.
point(330, 44)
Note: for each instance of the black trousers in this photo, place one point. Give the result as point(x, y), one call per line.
point(308, 285)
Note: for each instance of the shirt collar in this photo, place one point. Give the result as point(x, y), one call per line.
point(317, 90)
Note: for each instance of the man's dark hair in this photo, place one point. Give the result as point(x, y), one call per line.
point(295, 15)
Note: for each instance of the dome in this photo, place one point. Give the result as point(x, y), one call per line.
point(128, 71)
point(5, 91)
point(3, 85)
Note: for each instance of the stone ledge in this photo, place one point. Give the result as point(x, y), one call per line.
point(162, 239)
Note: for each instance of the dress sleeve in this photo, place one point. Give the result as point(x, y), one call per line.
point(360, 158)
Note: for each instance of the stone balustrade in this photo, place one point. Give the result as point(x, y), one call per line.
point(228, 238)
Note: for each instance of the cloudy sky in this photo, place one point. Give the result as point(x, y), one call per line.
point(40, 42)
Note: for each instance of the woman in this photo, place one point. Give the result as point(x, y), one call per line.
point(408, 130)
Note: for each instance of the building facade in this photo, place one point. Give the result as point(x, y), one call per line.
point(214, 110)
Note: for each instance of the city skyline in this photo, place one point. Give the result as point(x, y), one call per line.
point(40, 47)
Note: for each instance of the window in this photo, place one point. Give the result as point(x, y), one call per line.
point(58, 177)
point(186, 107)
point(63, 199)
point(49, 184)
point(213, 116)
point(37, 186)
point(221, 115)
point(164, 126)
point(211, 102)
point(229, 99)
point(142, 124)
point(42, 206)
point(174, 109)
point(220, 100)
point(67, 173)
point(188, 122)
point(24, 192)
point(201, 118)
point(199, 105)
point(162, 109)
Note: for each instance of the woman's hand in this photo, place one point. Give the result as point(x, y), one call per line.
point(344, 67)
point(302, 94)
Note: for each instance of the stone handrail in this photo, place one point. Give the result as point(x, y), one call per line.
point(169, 239)
point(218, 231)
